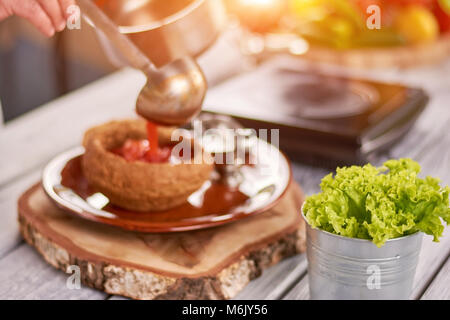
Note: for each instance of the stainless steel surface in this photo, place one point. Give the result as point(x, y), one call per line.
point(173, 94)
point(166, 30)
point(347, 268)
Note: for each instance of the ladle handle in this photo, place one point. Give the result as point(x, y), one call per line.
point(135, 57)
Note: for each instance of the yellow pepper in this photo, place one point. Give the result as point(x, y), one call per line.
point(416, 24)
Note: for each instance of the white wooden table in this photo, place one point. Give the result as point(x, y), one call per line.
point(29, 142)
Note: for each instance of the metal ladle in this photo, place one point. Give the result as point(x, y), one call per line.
point(173, 94)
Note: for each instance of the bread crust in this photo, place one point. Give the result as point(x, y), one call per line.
point(138, 185)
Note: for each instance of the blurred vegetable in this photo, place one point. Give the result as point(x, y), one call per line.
point(364, 4)
point(319, 10)
point(417, 24)
point(442, 13)
point(342, 23)
point(257, 15)
point(405, 3)
point(379, 38)
point(445, 6)
point(379, 203)
point(334, 23)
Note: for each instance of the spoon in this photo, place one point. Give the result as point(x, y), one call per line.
point(173, 94)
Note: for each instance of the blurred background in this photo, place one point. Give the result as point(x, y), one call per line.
point(34, 69)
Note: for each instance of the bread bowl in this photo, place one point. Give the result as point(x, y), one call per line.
point(139, 185)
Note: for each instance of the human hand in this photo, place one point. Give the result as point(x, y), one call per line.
point(48, 16)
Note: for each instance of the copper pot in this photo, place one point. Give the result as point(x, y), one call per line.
point(164, 30)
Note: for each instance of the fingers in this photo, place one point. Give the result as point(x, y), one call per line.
point(64, 5)
point(48, 16)
point(33, 12)
point(5, 10)
point(54, 12)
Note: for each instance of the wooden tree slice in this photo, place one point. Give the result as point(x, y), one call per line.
point(213, 263)
point(396, 57)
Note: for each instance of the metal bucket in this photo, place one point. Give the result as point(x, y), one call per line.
point(342, 268)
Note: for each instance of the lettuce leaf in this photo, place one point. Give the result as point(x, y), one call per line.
point(379, 203)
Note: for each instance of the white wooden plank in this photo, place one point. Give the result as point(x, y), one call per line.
point(275, 281)
point(432, 125)
point(432, 256)
point(25, 275)
point(308, 177)
point(439, 289)
point(9, 229)
point(434, 158)
point(300, 291)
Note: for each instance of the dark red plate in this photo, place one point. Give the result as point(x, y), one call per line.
point(212, 205)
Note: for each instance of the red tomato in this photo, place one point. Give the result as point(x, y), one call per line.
point(133, 150)
point(404, 3)
point(145, 150)
point(443, 18)
point(139, 150)
point(162, 155)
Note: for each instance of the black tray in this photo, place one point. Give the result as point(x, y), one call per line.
point(323, 119)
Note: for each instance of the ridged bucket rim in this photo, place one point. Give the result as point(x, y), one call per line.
point(355, 239)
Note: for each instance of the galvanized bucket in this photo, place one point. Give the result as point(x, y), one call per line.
point(342, 268)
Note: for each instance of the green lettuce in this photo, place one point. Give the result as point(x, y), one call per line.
point(379, 203)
